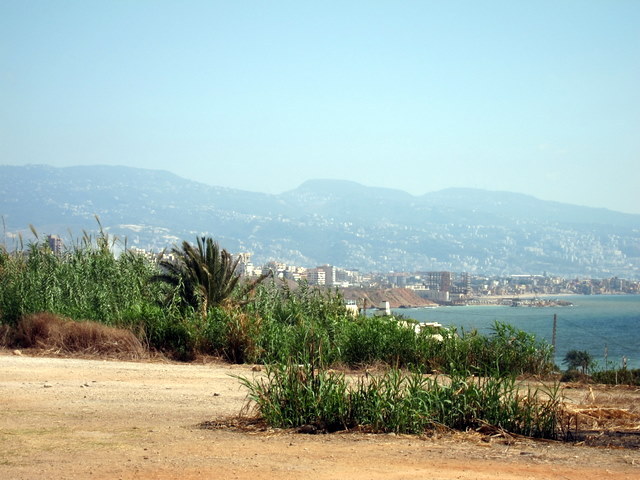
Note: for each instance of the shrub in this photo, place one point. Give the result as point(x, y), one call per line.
point(168, 333)
point(232, 334)
point(369, 340)
point(506, 351)
point(297, 321)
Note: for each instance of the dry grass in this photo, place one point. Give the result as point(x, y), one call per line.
point(606, 407)
point(50, 332)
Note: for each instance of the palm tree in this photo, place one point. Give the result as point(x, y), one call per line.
point(206, 275)
point(578, 358)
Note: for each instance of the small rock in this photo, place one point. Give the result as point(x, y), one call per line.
point(47, 385)
point(17, 352)
point(256, 368)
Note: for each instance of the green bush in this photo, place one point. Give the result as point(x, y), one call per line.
point(367, 340)
point(505, 350)
point(297, 321)
point(172, 335)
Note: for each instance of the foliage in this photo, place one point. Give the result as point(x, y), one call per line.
point(573, 375)
point(295, 395)
point(369, 340)
point(516, 351)
point(575, 359)
point(85, 282)
point(205, 275)
point(165, 330)
point(232, 334)
point(620, 376)
point(201, 306)
point(296, 321)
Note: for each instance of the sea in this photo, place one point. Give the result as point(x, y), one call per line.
point(606, 326)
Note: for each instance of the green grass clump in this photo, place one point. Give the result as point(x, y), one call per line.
point(294, 395)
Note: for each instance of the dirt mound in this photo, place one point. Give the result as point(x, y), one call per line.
point(47, 331)
point(397, 297)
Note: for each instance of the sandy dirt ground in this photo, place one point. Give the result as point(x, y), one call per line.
point(64, 418)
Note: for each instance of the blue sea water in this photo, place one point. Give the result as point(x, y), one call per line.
point(603, 325)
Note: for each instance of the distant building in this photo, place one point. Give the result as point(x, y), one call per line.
point(438, 281)
point(352, 307)
point(316, 276)
point(329, 274)
point(55, 244)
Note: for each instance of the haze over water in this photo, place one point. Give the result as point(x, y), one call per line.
point(593, 323)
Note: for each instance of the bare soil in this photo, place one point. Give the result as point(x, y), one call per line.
point(86, 418)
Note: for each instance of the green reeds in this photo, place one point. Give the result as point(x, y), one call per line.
point(85, 282)
point(279, 323)
point(294, 395)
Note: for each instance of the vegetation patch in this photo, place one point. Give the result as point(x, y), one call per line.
point(321, 400)
point(194, 301)
point(621, 376)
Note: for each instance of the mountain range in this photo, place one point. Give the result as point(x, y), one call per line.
point(341, 223)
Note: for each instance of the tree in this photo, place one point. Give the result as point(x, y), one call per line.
point(205, 275)
point(575, 359)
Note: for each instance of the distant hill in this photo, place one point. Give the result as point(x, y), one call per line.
point(397, 297)
point(326, 221)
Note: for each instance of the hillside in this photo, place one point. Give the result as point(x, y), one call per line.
point(397, 297)
point(326, 221)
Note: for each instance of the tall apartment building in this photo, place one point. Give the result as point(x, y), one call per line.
point(55, 244)
point(439, 281)
point(316, 276)
point(329, 274)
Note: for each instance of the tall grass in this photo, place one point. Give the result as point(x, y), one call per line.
point(87, 282)
point(295, 321)
point(280, 324)
point(367, 340)
point(506, 349)
point(296, 395)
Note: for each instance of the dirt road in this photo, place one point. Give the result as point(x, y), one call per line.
point(72, 418)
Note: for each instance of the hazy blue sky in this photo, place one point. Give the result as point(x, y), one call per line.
point(538, 97)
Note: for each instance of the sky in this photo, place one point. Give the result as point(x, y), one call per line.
point(536, 97)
